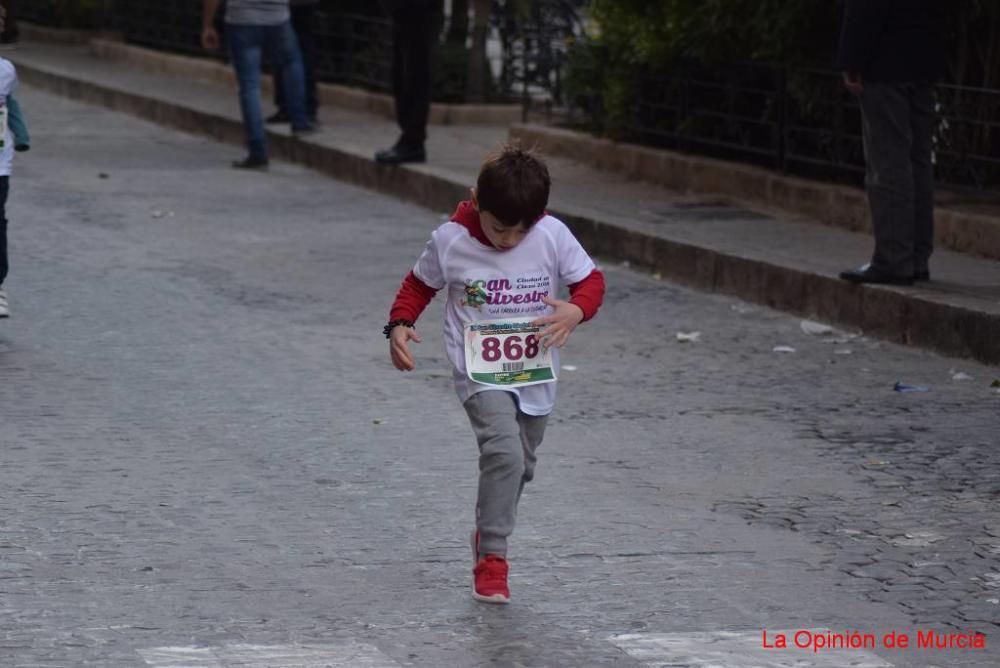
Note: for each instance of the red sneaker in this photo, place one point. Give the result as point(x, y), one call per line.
point(490, 580)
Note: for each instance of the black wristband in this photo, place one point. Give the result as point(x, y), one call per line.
point(387, 330)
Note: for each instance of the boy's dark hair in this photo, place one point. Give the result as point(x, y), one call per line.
point(513, 185)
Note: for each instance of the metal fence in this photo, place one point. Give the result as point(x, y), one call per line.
point(354, 47)
point(749, 112)
point(796, 120)
point(968, 136)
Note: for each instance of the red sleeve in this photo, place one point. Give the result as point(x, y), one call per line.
point(413, 297)
point(588, 294)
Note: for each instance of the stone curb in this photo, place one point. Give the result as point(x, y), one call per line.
point(889, 313)
point(830, 204)
point(894, 314)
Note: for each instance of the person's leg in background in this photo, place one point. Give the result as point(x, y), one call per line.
point(414, 88)
point(415, 31)
point(10, 33)
point(400, 47)
point(888, 142)
point(303, 21)
point(283, 48)
point(4, 266)
point(423, 35)
point(922, 124)
point(279, 115)
point(245, 50)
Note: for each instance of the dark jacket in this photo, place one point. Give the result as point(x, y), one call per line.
point(893, 40)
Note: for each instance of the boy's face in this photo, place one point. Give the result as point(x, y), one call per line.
point(503, 237)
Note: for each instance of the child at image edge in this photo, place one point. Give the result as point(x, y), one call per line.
point(501, 257)
point(13, 136)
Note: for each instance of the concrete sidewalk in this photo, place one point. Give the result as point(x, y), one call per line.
point(783, 261)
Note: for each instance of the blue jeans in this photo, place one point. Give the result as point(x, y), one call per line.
point(246, 42)
point(304, 23)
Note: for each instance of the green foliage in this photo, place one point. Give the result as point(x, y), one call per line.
point(631, 44)
point(654, 32)
point(451, 73)
point(585, 82)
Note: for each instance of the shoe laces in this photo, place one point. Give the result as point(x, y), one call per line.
point(492, 568)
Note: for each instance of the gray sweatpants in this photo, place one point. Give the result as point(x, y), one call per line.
point(507, 441)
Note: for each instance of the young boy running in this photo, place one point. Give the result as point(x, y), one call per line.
point(501, 258)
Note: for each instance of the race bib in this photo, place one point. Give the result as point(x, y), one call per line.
point(507, 353)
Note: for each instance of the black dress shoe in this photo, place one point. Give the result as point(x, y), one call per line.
point(869, 274)
point(250, 162)
point(922, 276)
point(278, 117)
point(305, 131)
point(398, 154)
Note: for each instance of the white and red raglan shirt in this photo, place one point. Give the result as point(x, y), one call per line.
point(485, 283)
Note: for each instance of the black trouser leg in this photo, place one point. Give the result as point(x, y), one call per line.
point(10, 31)
point(922, 122)
point(889, 177)
point(415, 34)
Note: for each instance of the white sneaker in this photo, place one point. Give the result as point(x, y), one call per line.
point(4, 306)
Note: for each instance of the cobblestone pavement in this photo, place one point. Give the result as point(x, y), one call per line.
point(207, 459)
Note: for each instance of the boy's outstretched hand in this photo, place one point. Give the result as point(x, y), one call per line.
point(399, 348)
point(560, 323)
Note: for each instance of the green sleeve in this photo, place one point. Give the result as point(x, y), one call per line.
point(15, 121)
